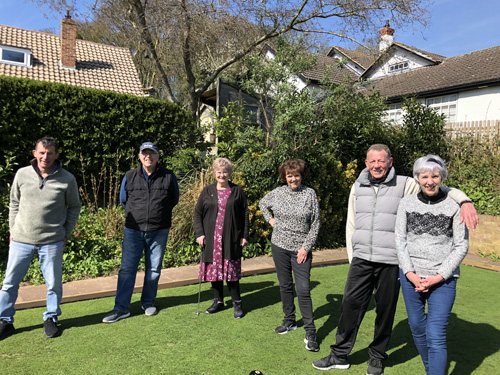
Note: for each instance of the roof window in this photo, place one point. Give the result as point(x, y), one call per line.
point(398, 67)
point(15, 56)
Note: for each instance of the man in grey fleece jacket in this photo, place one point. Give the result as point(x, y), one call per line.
point(371, 248)
point(43, 210)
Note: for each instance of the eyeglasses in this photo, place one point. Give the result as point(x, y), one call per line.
point(150, 154)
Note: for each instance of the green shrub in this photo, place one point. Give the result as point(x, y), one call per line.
point(473, 167)
point(101, 126)
point(421, 133)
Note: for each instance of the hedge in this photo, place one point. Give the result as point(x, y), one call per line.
point(102, 126)
point(101, 129)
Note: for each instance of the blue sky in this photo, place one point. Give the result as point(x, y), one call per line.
point(456, 26)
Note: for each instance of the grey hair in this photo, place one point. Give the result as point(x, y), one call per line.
point(430, 163)
point(222, 163)
point(379, 147)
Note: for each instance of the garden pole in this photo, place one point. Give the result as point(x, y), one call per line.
point(199, 284)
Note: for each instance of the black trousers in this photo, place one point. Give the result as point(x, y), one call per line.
point(364, 279)
point(233, 286)
point(286, 262)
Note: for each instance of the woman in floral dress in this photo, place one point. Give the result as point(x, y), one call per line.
point(221, 226)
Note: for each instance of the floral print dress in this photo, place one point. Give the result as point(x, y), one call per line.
point(220, 269)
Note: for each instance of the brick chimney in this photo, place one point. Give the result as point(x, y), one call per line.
point(68, 42)
point(386, 37)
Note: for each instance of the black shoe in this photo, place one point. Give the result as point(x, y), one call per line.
point(375, 367)
point(50, 328)
point(311, 343)
point(331, 361)
point(216, 307)
point(6, 329)
point(285, 327)
point(238, 310)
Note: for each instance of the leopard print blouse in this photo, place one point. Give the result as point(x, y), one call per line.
point(296, 215)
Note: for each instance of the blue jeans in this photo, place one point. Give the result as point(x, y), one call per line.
point(134, 242)
point(429, 330)
point(286, 263)
point(20, 256)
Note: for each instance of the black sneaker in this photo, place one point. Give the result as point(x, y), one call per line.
point(216, 307)
point(285, 327)
point(311, 343)
point(331, 361)
point(115, 316)
point(50, 328)
point(238, 310)
point(375, 367)
point(6, 329)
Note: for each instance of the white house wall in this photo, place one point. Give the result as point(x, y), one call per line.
point(295, 81)
point(479, 104)
point(349, 63)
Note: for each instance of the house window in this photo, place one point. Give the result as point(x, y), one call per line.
point(15, 56)
point(394, 114)
point(398, 67)
point(446, 105)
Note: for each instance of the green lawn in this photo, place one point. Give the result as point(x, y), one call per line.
point(177, 341)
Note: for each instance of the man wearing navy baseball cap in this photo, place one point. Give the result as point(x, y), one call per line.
point(148, 193)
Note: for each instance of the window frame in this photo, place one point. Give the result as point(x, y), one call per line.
point(394, 68)
point(444, 104)
point(26, 52)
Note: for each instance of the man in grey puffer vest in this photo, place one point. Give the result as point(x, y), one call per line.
point(371, 247)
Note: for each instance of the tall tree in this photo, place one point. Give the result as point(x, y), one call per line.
point(205, 38)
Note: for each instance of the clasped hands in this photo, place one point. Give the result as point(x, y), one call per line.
point(423, 284)
point(201, 241)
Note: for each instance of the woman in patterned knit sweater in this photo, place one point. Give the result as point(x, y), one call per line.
point(221, 227)
point(431, 243)
point(293, 212)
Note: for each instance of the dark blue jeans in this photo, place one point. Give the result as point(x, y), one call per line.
point(429, 330)
point(134, 243)
point(286, 263)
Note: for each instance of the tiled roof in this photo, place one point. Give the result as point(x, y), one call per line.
point(432, 57)
point(458, 72)
point(362, 59)
point(98, 66)
point(330, 66)
point(428, 55)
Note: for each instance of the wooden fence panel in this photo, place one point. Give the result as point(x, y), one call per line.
point(486, 128)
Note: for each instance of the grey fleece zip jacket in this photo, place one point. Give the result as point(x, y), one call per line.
point(43, 211)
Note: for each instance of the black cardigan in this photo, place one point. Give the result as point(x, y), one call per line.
point(236, 222)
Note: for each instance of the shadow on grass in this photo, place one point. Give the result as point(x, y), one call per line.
point(331, 309)
point(468, 344)
point(402, 339)
point(254, 296)
point(81, 321)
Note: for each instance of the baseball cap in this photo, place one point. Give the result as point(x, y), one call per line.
point(148, 146)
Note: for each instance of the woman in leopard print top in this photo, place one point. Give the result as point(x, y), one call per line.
point(293, 212)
